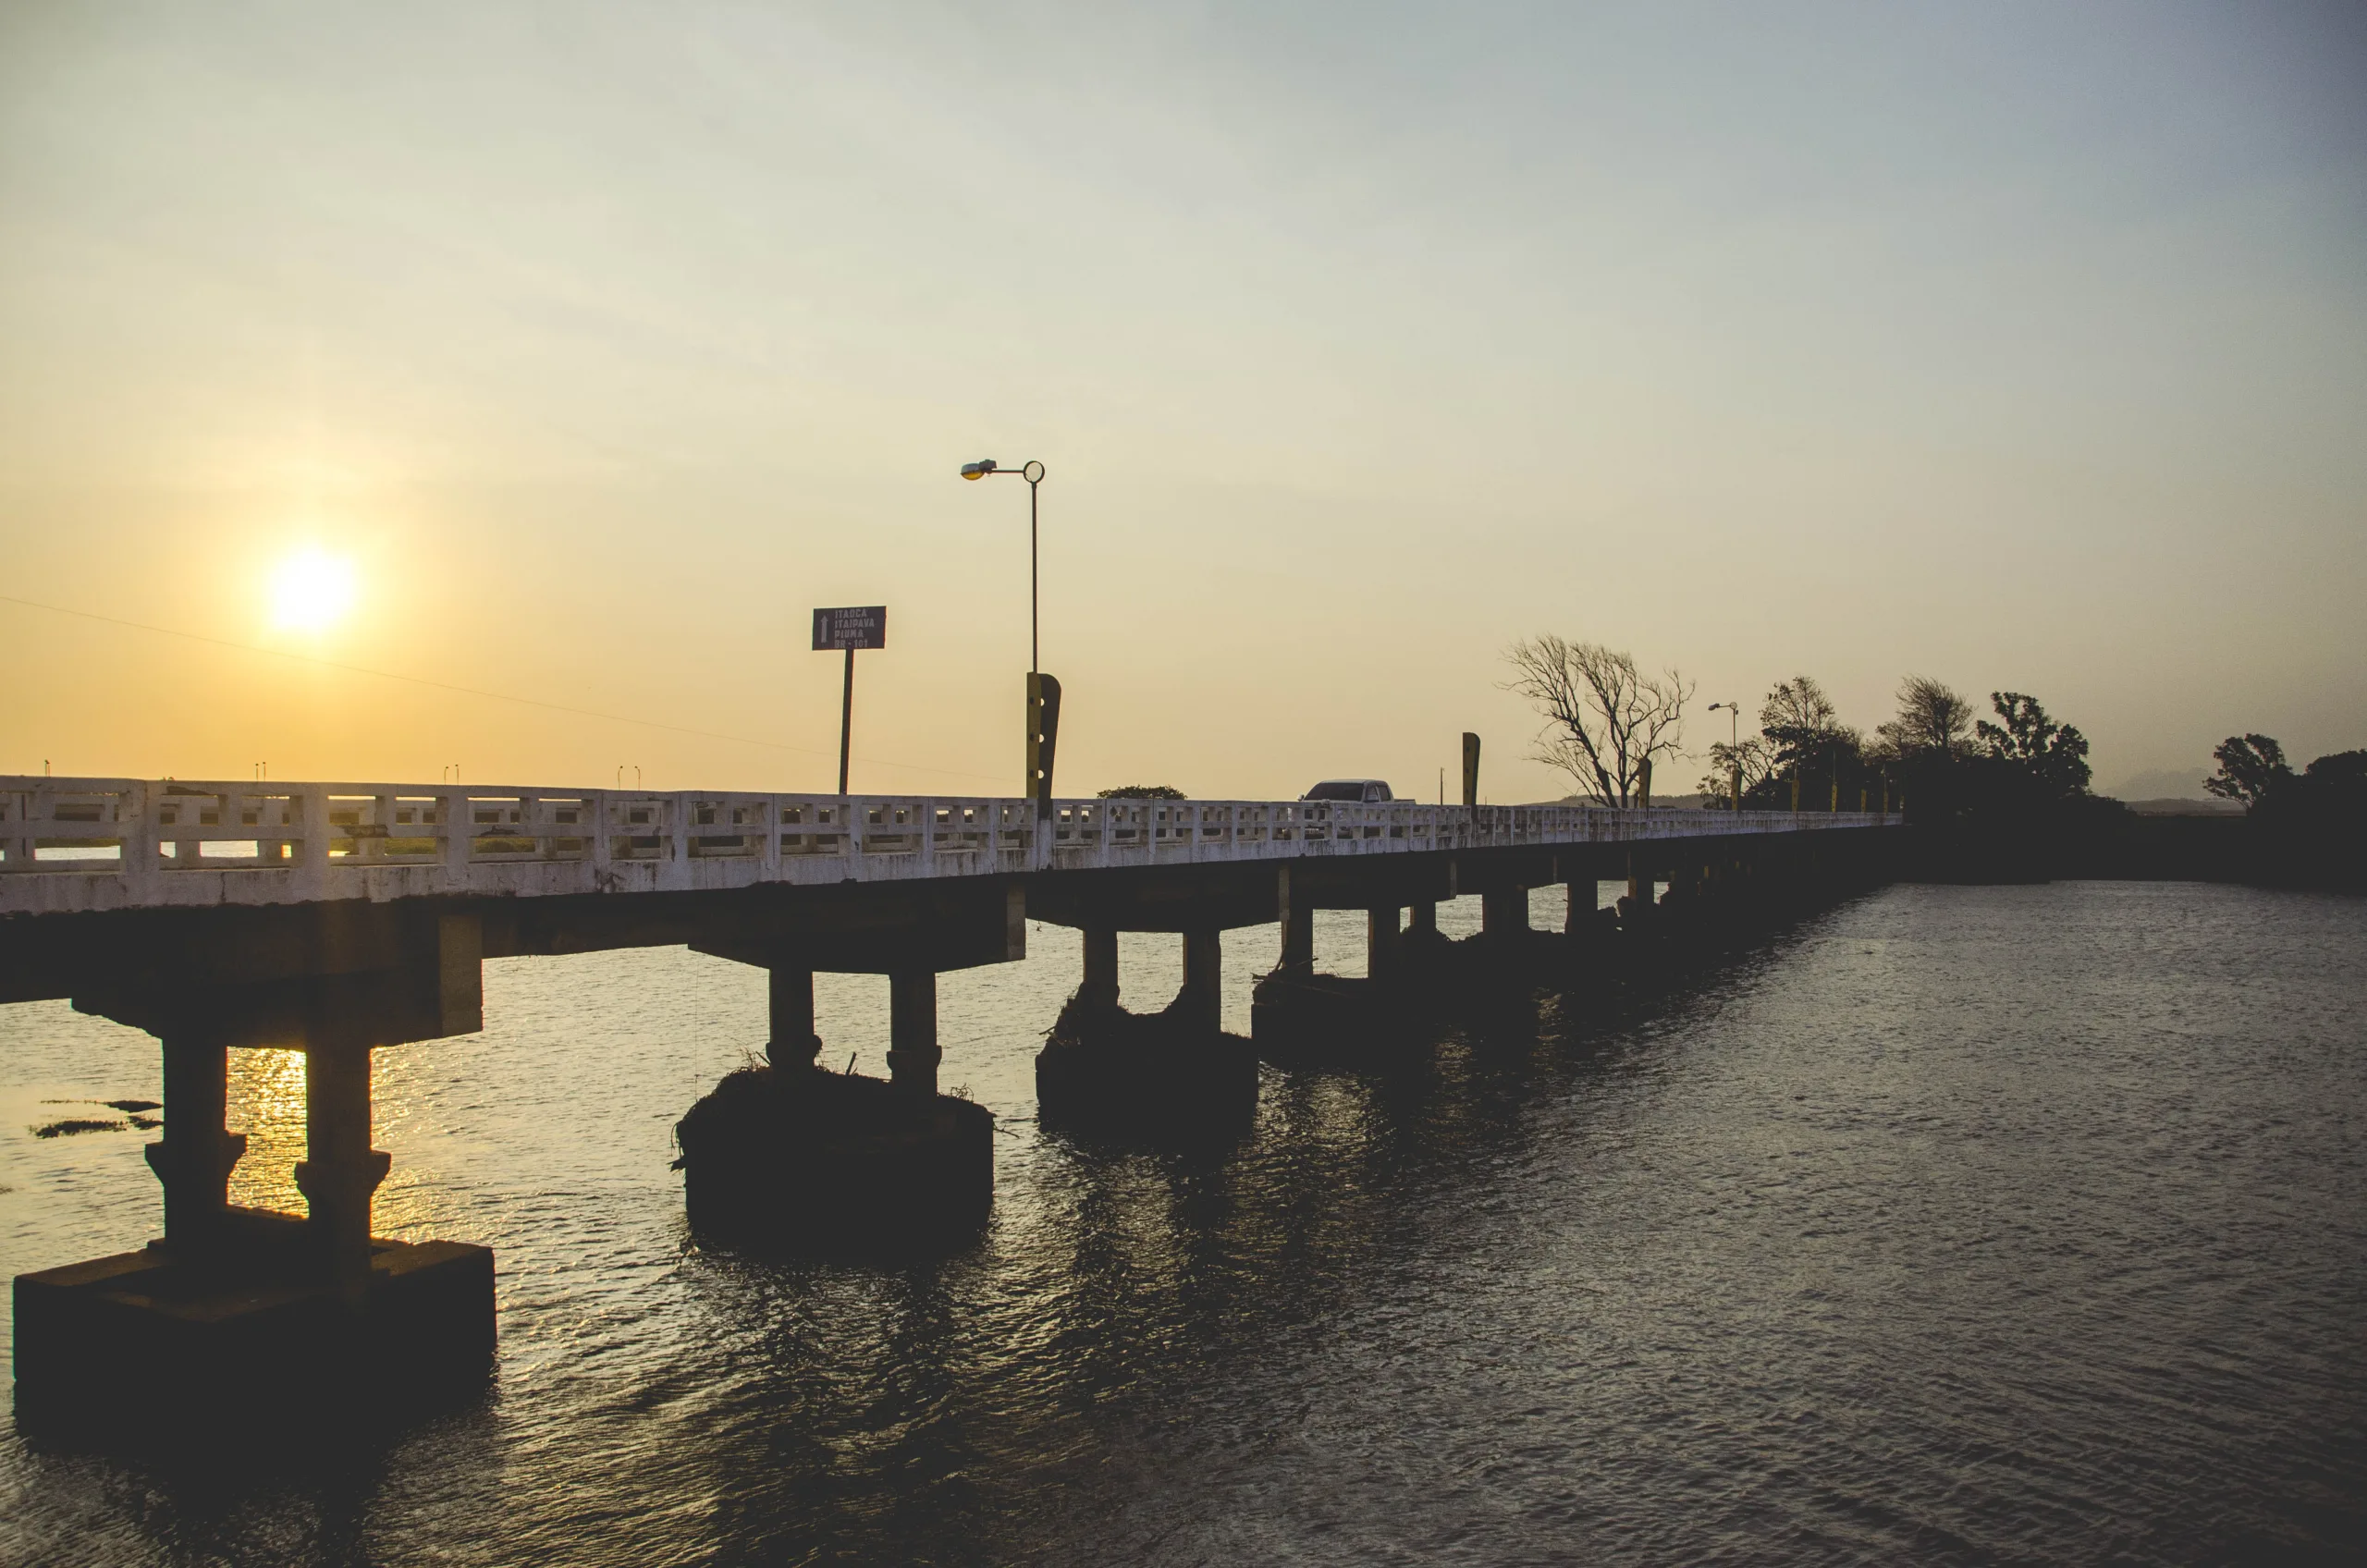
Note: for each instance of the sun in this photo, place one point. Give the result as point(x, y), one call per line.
point(310, 590)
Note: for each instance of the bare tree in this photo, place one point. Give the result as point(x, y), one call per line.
point(1932, 719)
point(1604, 718)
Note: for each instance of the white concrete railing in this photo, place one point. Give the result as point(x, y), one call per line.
point(71, 845)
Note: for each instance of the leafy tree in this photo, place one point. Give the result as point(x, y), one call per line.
point(1812, 749)
point(1141, 792)
point(2054, 756)
point(2251, 766)
point(1756, 759)
point(1604, 718)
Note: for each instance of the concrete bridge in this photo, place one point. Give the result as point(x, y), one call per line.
point(338, 918)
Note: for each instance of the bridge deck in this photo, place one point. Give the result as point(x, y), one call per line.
point(87, 845)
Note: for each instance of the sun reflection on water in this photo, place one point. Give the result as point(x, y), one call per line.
point(266, 1103)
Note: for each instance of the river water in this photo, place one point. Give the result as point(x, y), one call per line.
point(1952, 1225)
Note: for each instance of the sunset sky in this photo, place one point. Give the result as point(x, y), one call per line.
point(575, 352)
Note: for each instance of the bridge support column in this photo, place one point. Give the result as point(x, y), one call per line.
point(1100, 985)
point(1381, 944)
point(912, 1052)
point(1201, 1002)
point(194, 1158)
point(1503, 911)
point(1638, 902)
point(1422, 920)
point(1298, 928)
point(341, 1172)
point(795, 1042)
point(1580, 909)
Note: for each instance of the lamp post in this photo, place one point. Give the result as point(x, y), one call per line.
point(1734, 726)
point(1043, 691)
point(1734, 748)
point(1034, 473)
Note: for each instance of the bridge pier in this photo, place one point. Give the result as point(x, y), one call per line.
point(1100, 983)
point(1304, 1020)
point(1108, 1073)
point(912, 1053)
point(790, 1006)
point(1382, 945)
point(1200, 1003)
point(1635, 908)
point(1298, 935)
point(794, 1155)
point(340, 1173)
point(249, 1313)
point(194, 1158)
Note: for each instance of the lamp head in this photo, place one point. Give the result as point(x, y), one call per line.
point(978, 470)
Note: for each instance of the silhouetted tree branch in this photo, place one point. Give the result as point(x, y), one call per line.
point(1603, 716)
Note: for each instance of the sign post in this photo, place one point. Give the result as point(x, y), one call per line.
point(860, 626)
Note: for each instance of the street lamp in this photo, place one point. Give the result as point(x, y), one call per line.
point(1734, 728)
point(1043, 691)
point(1034, 473)
point(1734, 749)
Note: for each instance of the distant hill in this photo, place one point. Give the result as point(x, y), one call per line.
point(2162, 784)
point(2180, 805)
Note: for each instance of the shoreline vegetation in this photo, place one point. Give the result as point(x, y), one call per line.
point(2001, 797)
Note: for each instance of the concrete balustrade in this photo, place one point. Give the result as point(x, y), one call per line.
point(75, 845)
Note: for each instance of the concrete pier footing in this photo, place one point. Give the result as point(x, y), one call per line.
point(1106, 1073)
point(806, 1160)
point(252, 1328)
point(791, 1155)
point(250, 1311)
point(245, 1312)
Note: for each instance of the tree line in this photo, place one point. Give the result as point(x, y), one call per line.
point(1606, 723)
point(2253, 772)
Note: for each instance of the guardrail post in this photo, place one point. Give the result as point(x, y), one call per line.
point(674, 870)
point(456, 820)
point(139, 853)
point(313, 854)
point(382, 819)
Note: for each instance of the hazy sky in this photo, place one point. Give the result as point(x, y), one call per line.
point(2023, 346)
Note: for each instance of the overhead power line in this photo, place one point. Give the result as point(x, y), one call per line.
point(474, 691)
